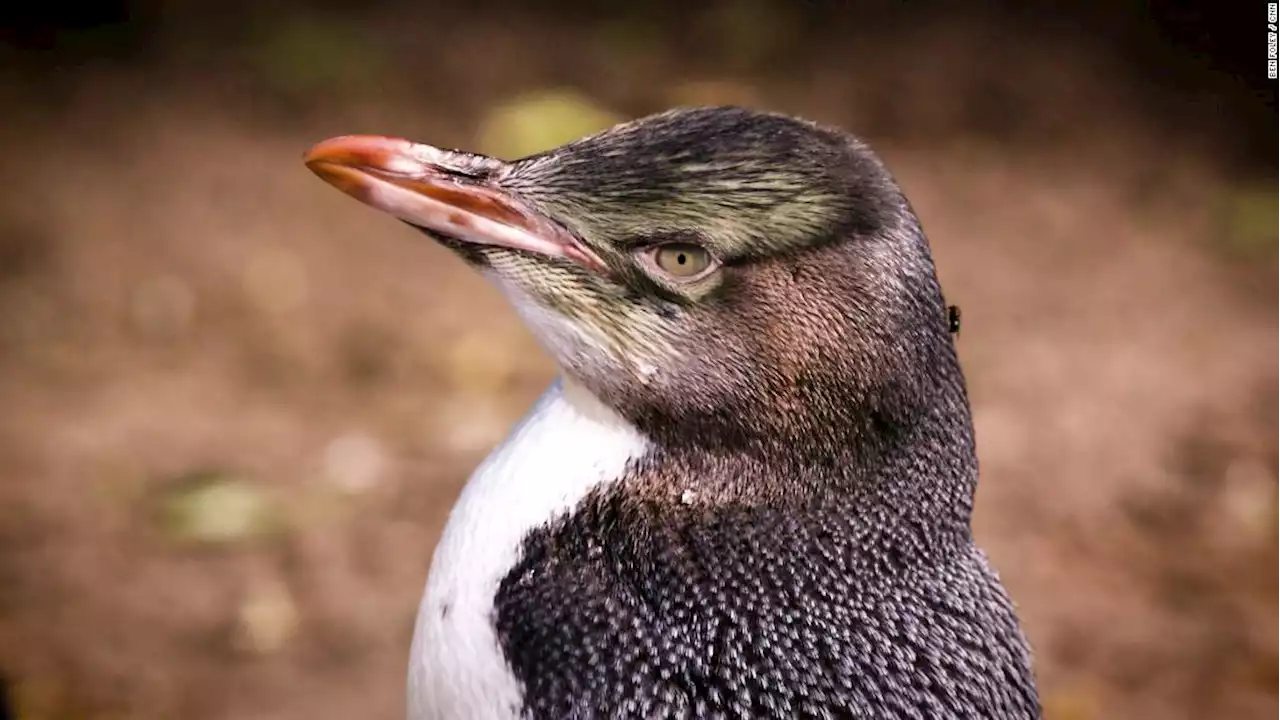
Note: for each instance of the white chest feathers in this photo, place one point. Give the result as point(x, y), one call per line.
point(568, 444)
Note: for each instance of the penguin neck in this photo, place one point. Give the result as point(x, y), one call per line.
point(898, 453)
point(912, 451)
point(899, 506)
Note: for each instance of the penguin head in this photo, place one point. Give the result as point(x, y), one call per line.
point(709, 273)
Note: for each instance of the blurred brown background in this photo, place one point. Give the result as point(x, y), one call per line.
point(235, 406)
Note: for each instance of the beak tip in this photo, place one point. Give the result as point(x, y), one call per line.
point(321, 153)
point(337, 159)
point(320, 168)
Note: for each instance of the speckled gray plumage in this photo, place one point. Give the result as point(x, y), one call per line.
point(638, 608)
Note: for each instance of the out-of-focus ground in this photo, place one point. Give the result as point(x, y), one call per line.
point(235, 406)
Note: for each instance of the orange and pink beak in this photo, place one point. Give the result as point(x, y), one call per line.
point(442, 192)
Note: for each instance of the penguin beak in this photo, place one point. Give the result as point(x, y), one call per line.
point(444, 192)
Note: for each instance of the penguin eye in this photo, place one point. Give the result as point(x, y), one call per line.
point(679, 260)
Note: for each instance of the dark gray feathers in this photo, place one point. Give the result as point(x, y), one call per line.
point(644, 609)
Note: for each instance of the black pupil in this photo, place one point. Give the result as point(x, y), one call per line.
point(680, 258)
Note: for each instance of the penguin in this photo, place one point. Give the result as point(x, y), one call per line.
point(749, 492)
